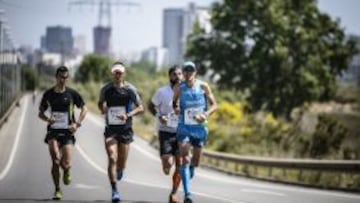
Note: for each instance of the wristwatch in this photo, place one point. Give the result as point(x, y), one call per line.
point(78, 125)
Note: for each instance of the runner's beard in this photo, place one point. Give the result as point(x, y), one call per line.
point(174, 82)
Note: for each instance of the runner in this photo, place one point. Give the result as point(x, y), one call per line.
point(161, 107)
point(62, 126)
point(190, 102)
point(116, 101)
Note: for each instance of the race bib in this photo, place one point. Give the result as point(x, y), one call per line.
point(173, 120)
point(190, 114)
point(61, 120)
point(114, 113)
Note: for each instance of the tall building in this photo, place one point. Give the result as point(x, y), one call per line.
point(59, 39)
point(173, 34)
point(102, 40)
point(178, 24)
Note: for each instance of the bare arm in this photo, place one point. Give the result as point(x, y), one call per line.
point(176, 99)
point(43, 117)
point(82, 115)
point(152, 108)
point(212, 100)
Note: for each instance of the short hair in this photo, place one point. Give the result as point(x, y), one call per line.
point(173, 68)
point(61, 69)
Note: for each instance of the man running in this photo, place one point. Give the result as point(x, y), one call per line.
point(116, 102)
point(62, 126)
point(161, 107)
point(190, 102)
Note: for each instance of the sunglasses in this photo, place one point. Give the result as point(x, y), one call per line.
point(63, 77)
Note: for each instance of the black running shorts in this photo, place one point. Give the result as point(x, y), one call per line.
point(122, 135)
point(63, 138)
point(168, 143)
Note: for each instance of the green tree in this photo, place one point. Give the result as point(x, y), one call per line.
point(29, 76)
point(283, 52)
point(94, 68)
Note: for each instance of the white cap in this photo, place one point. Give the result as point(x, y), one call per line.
point(117, 67)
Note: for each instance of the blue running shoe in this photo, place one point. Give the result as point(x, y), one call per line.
point(188, 200)
point(192, 171)
point(119, 175)
point(115, 196)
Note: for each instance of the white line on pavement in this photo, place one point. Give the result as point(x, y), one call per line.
point(98, 168)
point(224, 179)
point(16, 142)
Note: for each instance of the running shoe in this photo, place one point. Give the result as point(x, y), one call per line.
point(115, 196)
point(67, 177)
point(188, 200)
point(57, 195)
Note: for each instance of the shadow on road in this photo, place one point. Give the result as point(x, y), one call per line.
point(25, 200)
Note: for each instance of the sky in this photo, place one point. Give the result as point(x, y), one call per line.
point(134, 28)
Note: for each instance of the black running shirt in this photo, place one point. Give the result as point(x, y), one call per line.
point(119, 97)
point(61, 103)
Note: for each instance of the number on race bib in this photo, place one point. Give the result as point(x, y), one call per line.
point(61, 120)
point(190, 114)
point(173, 120)
point(114, 113)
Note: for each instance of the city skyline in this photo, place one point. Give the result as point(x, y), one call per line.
point(134, 29)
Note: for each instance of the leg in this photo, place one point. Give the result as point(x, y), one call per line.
point(111, 150)
point(111, 146)
point(55, 169)
point(123, 152)
point(184, 148)
point(66, 162)
point(166, 162)
point(176, 179)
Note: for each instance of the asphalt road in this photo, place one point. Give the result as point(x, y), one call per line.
point(25, 171)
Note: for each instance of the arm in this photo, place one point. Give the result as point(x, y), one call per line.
point(211, 98)
point(83, 111)
point(101, 102)
point(44, 104)
point(152, 108)
point(176, 99)
point(135, 98)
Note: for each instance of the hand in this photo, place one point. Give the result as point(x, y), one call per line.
point(200, 118)
point(51, 121)
point(73, 127)
point(163, 119)
point(123, 117)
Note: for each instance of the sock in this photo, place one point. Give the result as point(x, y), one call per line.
point(119, 175)
point(176, 181)
point(185, 177)
point(113, 186)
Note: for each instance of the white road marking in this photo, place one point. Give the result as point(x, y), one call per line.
point(230, 180)
point(16, 142)
point(262, 192)
point(84, 186)
point(98, 168)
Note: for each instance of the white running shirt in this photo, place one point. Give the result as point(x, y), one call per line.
point(162, 99)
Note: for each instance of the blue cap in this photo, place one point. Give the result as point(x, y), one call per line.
point(189, 66)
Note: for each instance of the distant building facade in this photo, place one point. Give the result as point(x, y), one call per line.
point(58, 39)
point(178, 24)
point(102, 40)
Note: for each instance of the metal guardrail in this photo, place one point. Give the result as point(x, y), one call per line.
point(4, 118)
point(336, 174)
